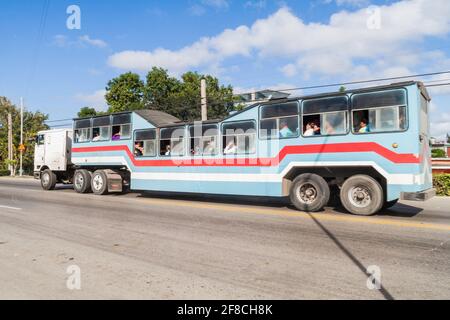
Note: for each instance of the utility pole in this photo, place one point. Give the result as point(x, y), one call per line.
point(21, 137)
point(203, 99)
point(10, 144)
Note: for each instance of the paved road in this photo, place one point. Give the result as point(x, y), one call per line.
point(144, 246)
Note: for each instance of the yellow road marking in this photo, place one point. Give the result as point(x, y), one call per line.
point(301, 214)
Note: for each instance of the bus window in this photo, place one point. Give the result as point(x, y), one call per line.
point(279, 121)
point(172, 141)
point(379, 111)
point(145, 143)
point(203, 139)
point(82, 130)
point(324, 117)
point(121, 127)
point(239, 137)
point(101, 128)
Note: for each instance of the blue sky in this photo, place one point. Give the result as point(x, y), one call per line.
point(250, 44)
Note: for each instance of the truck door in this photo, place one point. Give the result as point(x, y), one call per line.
point(55, 150)
point(39, 152)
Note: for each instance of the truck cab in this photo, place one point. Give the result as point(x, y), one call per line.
point(52, 156)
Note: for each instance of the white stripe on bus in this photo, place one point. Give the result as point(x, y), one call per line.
point(396, 179)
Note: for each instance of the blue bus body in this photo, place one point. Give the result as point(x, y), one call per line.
point(399, 158)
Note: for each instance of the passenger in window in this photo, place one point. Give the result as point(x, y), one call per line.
point(285, 131)
point(196, 151)
point(116, 136)
point(230, 148)
point(167, 153)
point(139, 149)
point(210, 148)
point(309, 131)
point(96, 136)
point(316, 129)
point(363, 126)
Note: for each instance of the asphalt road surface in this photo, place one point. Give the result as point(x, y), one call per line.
point(148, 246)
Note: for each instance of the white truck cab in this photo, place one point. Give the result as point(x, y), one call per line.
point(52, 156)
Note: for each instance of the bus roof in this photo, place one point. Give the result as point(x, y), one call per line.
point(419, 84)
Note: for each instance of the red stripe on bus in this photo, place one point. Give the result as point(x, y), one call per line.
point(288, 150)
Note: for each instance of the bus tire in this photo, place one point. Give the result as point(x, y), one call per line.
point(99, 182)
point(48, 179)
point(362, 195)
point(309, 192)
point(82, 181)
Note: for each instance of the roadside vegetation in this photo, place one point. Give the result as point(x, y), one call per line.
point(438, 153)
point(442, 184)
point(32, 123)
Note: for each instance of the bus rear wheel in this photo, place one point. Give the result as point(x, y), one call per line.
point(99, 182)
point(48, 179)
point(362, 195)
point(82, 181)
point(309, 192)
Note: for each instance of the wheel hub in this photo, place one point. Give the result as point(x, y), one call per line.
point(98, 182)
point(360, 196)
point(79, 181)
point(307, 193)
point(45, 178)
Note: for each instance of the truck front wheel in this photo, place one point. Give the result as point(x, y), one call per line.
point(48, 179)
point(82, 181)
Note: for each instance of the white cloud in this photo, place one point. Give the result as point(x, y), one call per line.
point(219, 4)
point(352, 3)
point(197, 10)
point(93, 42)
point(440, 129)
point(82, 41)
point(257, 4)
point(289, 70)
point(60, 40)
point(333, 48)
point(96, 99)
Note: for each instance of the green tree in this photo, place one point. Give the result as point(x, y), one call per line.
point(437, 153)
point(342, 89)
point(160, 90)
point(33, 122)
point(181, 98)
point(86, 112)
point(125, 93)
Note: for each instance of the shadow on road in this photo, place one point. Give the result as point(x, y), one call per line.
point(360, 266)
point(401, 210)
point(253, 201)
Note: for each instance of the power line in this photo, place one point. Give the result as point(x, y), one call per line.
point(61, 120)
point(438, 85)
point(61, 125)
point(360, 82)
